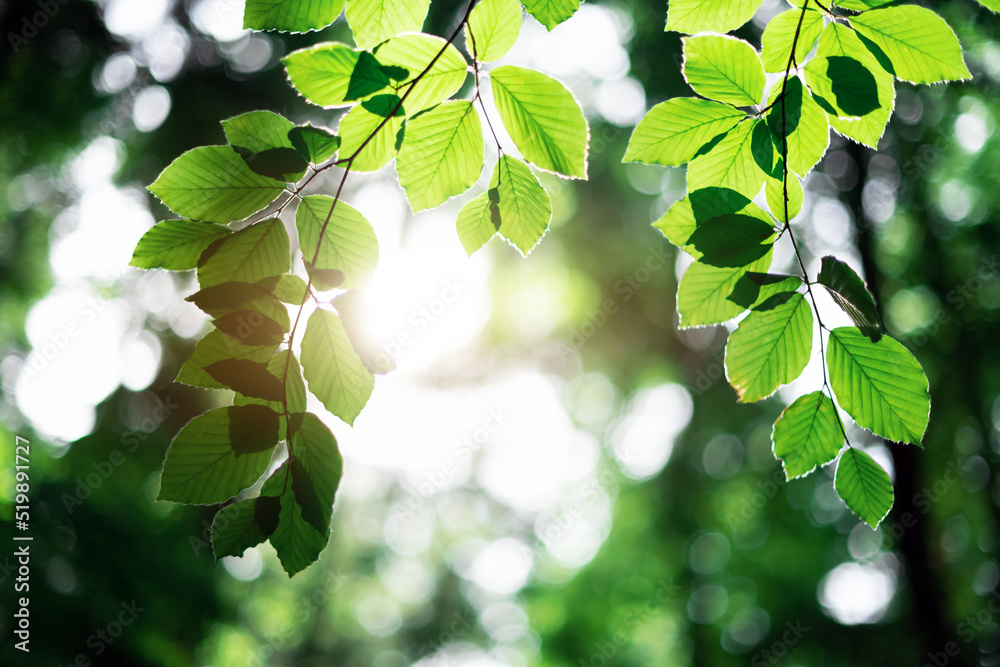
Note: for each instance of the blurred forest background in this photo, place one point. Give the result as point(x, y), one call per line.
point(555, 476)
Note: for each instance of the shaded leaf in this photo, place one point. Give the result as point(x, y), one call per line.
point(334, 75)
point(214, 347)
point(416, 53)
point(250, 378)
point(850, 293)
point(314, 144)
point(255, 252)
point(703, 293)
point(368, 132)
point(242, 525)
point(218, 454)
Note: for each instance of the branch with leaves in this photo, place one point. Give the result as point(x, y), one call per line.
point(737, 143)
point(397, 86)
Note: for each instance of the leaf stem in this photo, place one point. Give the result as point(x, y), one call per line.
point(788, 223)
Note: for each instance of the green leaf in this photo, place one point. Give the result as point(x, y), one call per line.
point(258, 251)
point(261, 138)
point(258, 131)
point(691, 16)
point(807, 435)
point(776, 42)
point(374, 21)
point(524, 205)
point(250, 378)
point(850, 293)
point(543, 118)
point(314, 144)
point(770, 348)
point(731, 240)
point(992, 5)
point(284, 370)
point(704, 291)
point(243, 524)
point(224, 298)
point(753, 289)
point(317, 467)
point(335, 373)
point(251, 328)
point(175, 244)
point(214, 184)
point(724, 68)
point(286, 287)
point(864, 486)
point(738, 162)
point(298, 544)
point(335, 75)
point(673, 132)
point(218, 454)
point(475, 223)
point(862, 5)
point(442, 154)
point(291, 15)
point(842, 86)
point(368, 119)
point(881, 385)
point(416, 53)
point(699, 206)
point(839, 40)
point(216, 346)
point(551, 13)
point(492, 29)
point(799, 120)
point(348, 247)
point(774, 193)
point(921, 45)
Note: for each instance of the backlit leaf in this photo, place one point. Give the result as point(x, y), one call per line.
point(673, 132)
point(214, 184)
point(807, 435)
point(415, 53)
point(543, 118)
point(348, 243)
point(493, 28)
point(475, 223)
point(551, 13)
point(368, 133)
point(881, 385)
point(770, 348)
point(776, 42)
point(724, 68)
point(291, 15)
point(335, 373)
point(442, 154)
point(374, 21)
point(218, 454)
point(691, 16)
point(258, 251)
point(850, 293)
point(864, 486)
point(335, 75)
point(524, 205)
point(175, 244)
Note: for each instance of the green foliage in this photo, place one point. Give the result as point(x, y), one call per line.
point(724, 68)
point(291, 15)
point(398, 88)
point(493, 28)
point(864, 486)
point(175, 244)
point(691, 16)
point(214, 184)
point(543, 118)
point(443, 154)
point(551, 13)
point(848, 85)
